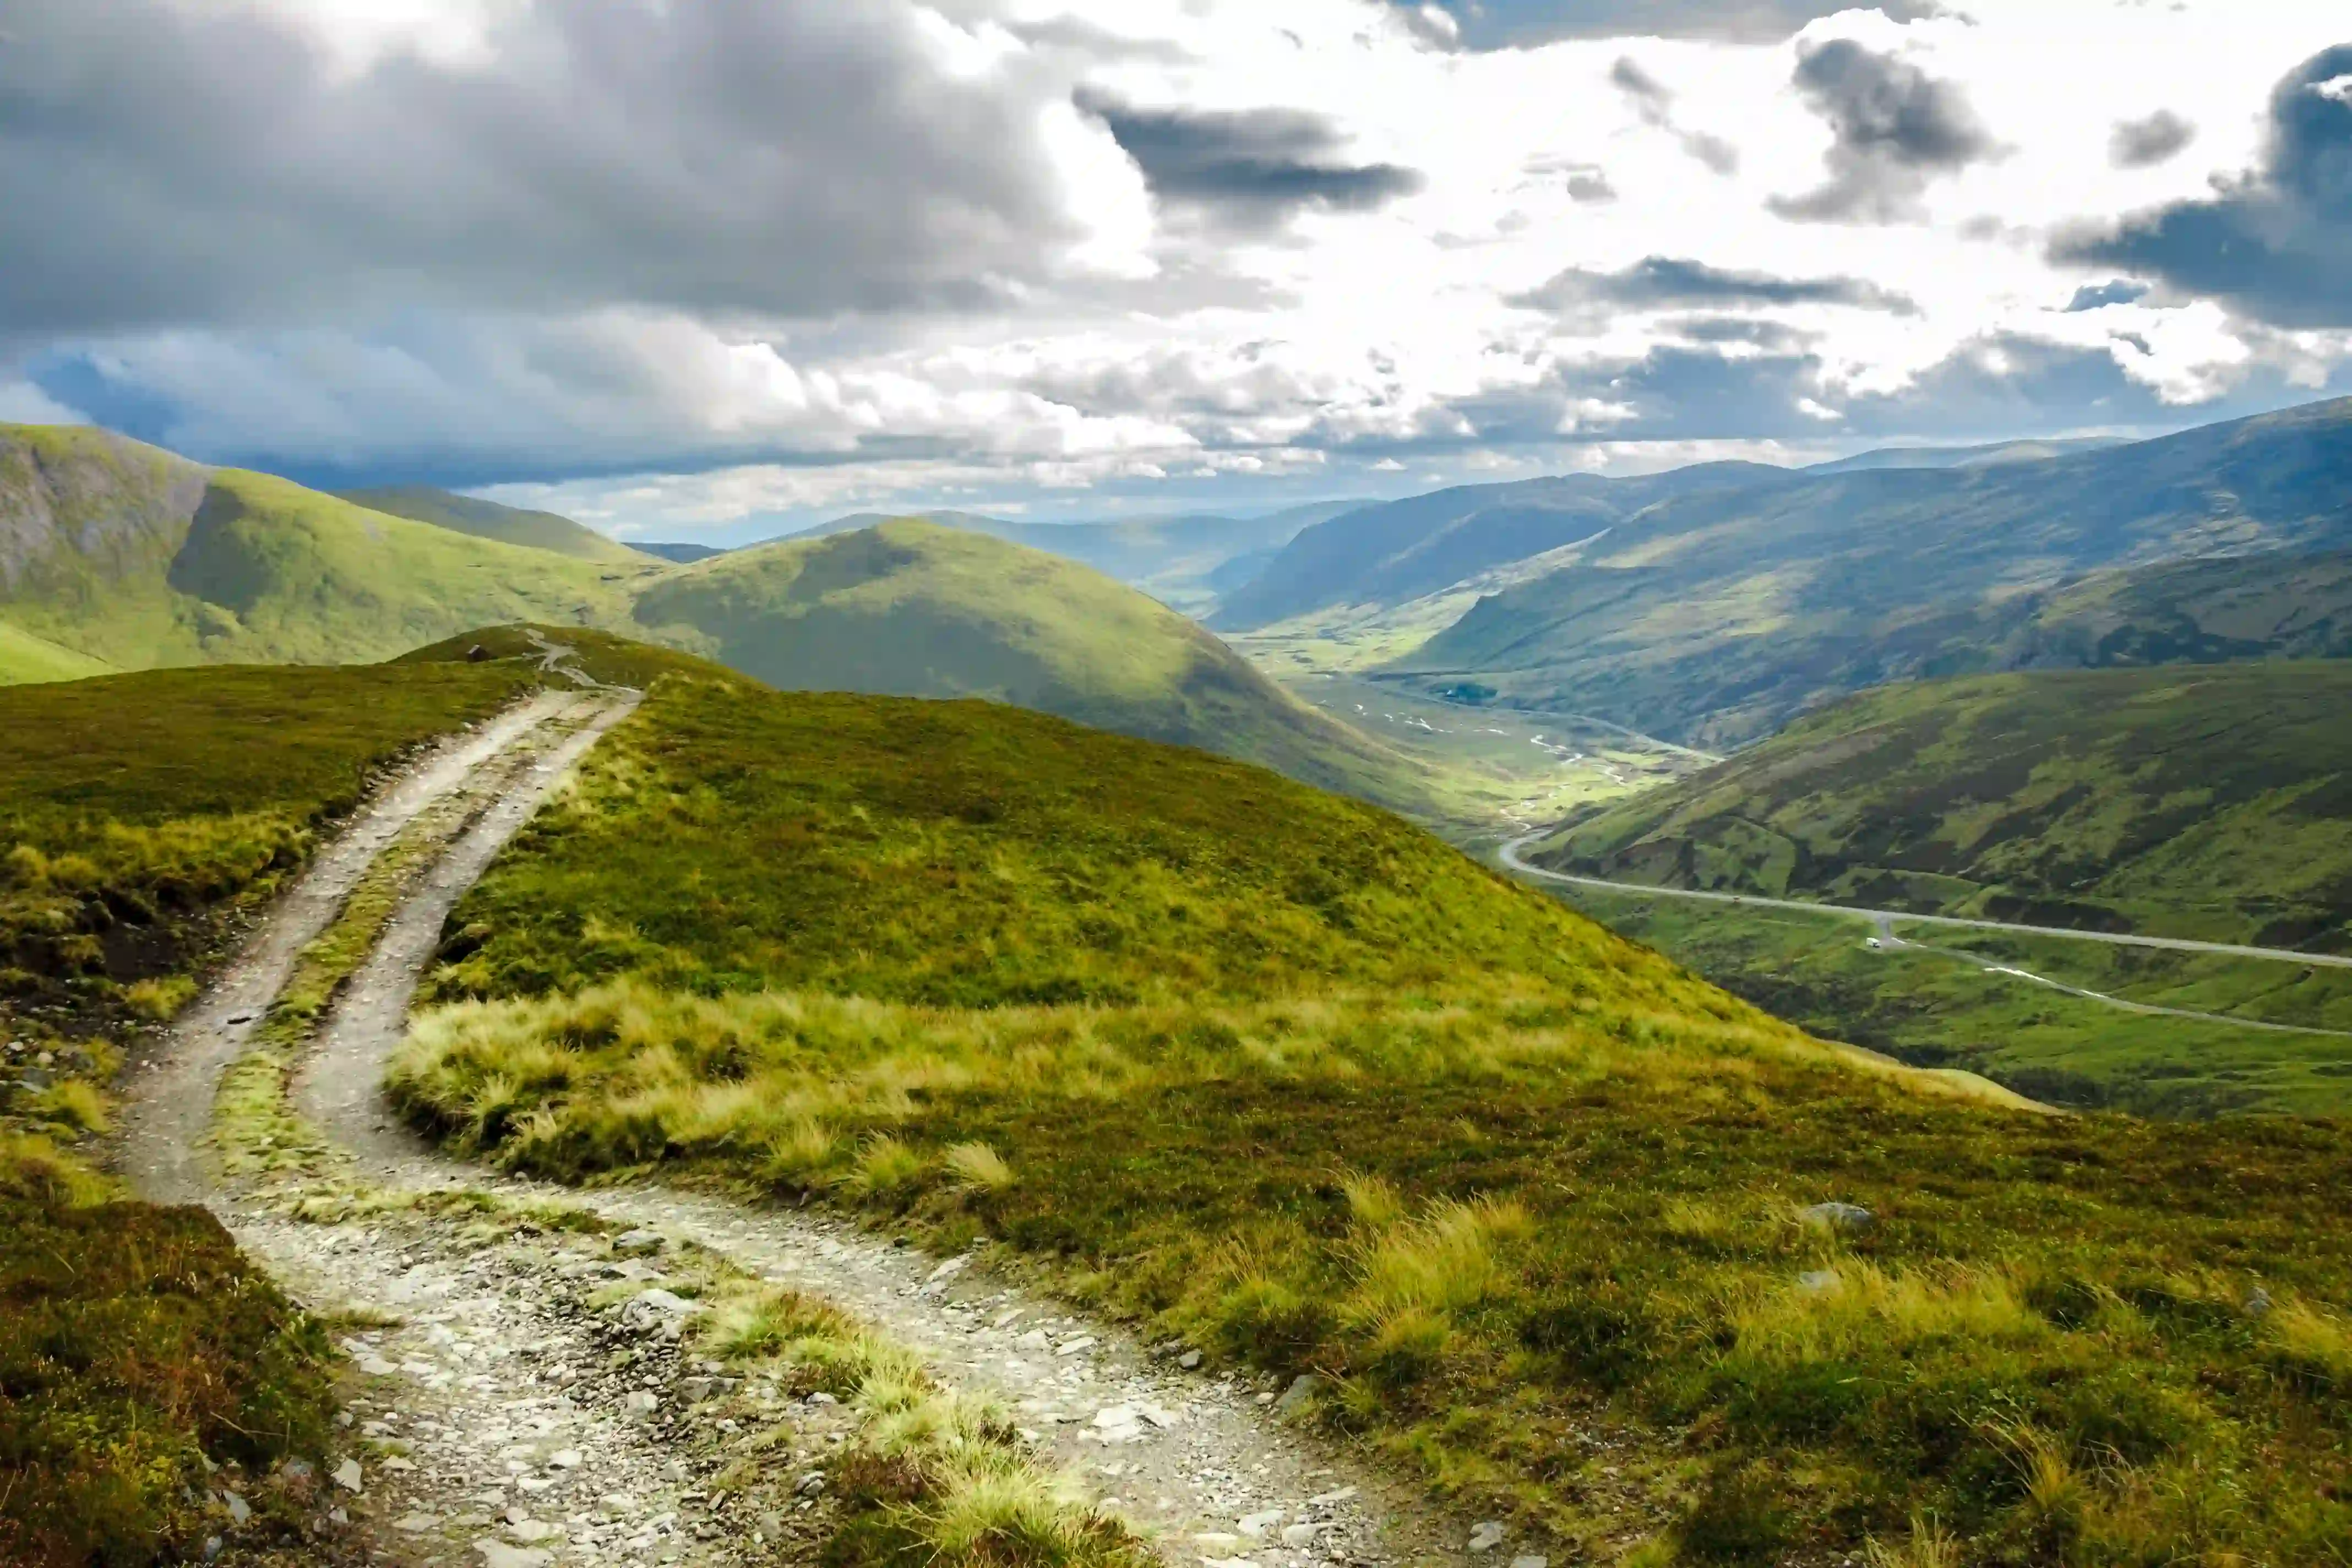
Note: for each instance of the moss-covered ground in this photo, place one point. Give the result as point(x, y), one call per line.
point(1280, 1074)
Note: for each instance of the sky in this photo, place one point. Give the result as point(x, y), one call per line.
point(716, 268)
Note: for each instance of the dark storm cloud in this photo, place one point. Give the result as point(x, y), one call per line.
point(1654, 104)
point(2276, 243)
point(1897, 128)
point(1507, 24)
point(161, 164)
point(1254, 167)
point(1659, 281)
point(2145, 143)
point(2091, 296)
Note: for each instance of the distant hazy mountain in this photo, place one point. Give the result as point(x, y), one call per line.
point(1403, 550)
point(1186, 561)
point(678, 555)
point(1715, 616)
point(1963, 456)
point(911, 608)
point(488, 520)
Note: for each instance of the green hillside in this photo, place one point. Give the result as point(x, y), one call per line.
point(2210, 802)
point(2277, 604)
point(1270, 1073)
point(24, 657)
point(129, 555)
point(910, 609)
point(506, 524)
point(1712, 617)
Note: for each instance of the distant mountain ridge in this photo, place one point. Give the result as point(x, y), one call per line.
point(1713, 615)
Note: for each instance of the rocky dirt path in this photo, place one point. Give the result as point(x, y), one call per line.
point(524, 1399)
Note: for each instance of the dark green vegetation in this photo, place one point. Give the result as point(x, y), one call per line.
point(1942, 1006)
point(139, 1353)
point(678, 554)
point(1275, 1072)
point(1184, 561)
point(2206, 802)
point(909, 608)
point(1725, 599)
point(506, 524)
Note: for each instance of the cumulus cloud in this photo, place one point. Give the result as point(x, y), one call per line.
point(1895, 128)
point(1254, 167)
point(2144, 143)
point(2276, 243)
point(161, 162)
point(1661, 281)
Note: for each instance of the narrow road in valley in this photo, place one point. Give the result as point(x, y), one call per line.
point(520, 1411)
point(1510, 857)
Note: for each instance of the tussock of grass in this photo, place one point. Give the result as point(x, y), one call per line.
point(1282, 1078)
point(963, 1487)
point(978, 1166)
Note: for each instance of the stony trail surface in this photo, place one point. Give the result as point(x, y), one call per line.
point(518, 1412)
point(168, 1100)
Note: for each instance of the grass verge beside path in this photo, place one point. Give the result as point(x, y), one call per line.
point(1273, 1072)
point(138, 1347)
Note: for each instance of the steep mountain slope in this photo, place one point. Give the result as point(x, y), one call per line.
point(1409, 549)
point(1713, 618)
point(124, 553)
point(910, 609)
point(488, 520)
point(1184, 561)
point(2212, 802)
point(25, 658)
point(2278, 605)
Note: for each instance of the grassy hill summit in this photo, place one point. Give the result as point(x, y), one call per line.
point(913, 608)
point(2212, 802)
point(506, 524)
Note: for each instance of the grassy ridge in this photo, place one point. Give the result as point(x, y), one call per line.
point(505, 524)
point(2199, 802)
point(914, 609)
point(1280, 1075)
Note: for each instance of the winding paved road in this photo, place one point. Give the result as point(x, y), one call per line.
point(1884, 919)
